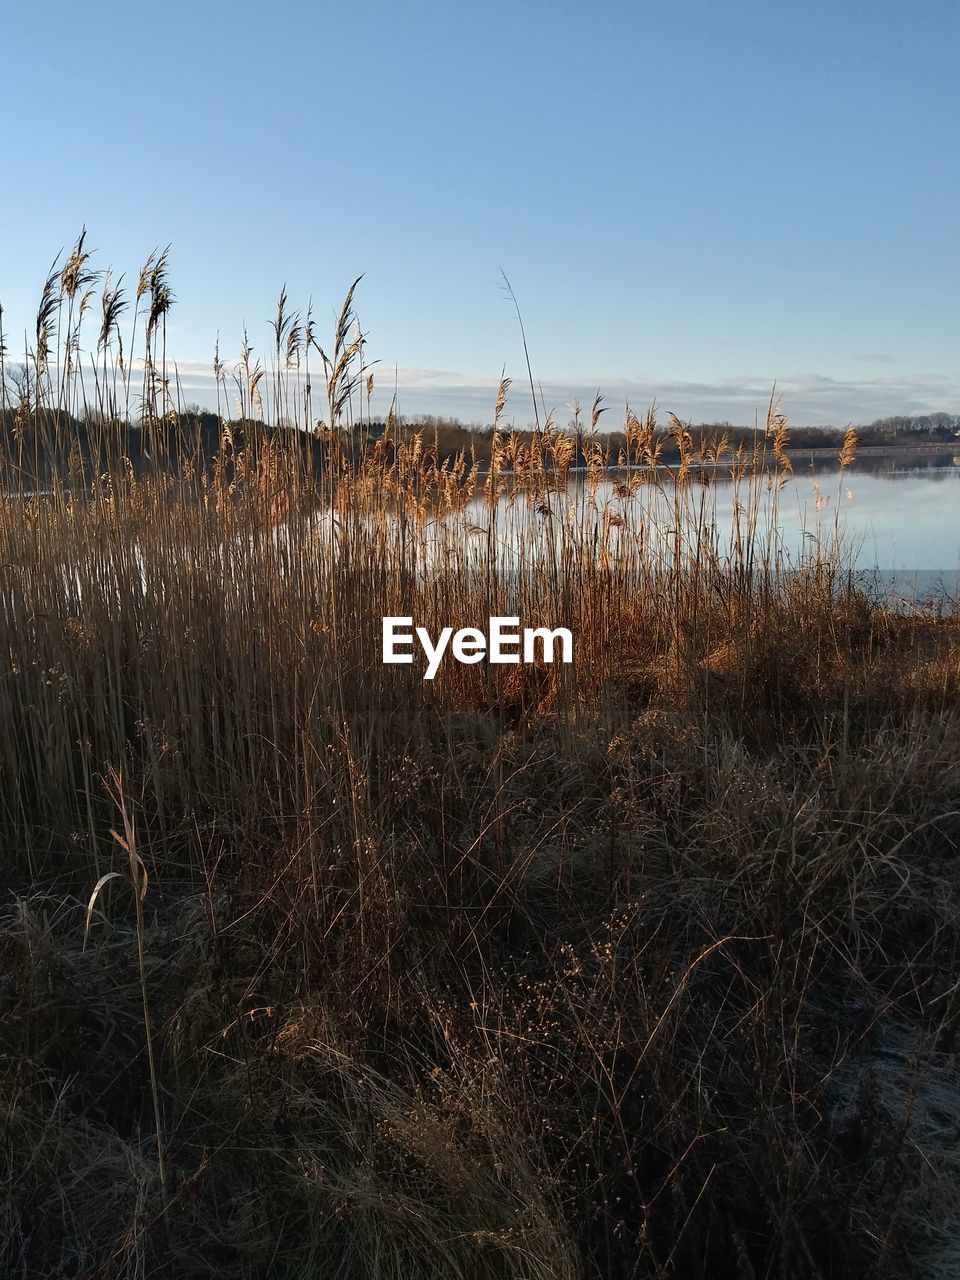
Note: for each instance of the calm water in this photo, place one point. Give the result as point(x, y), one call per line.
point(900, 509)
point(898, 514)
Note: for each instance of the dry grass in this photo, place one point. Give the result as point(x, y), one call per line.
point(643, 967)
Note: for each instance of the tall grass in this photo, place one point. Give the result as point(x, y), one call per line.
point(640, 967)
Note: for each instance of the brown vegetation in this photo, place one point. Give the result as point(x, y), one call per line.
point(646, 966)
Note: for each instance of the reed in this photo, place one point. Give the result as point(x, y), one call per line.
point(645, 966)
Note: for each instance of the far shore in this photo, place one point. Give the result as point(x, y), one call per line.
point(878, 450)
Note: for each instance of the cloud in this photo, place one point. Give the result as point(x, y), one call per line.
point(808, 398)
point(877, 357)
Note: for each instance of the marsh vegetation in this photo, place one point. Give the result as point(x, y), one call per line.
point(645, 965)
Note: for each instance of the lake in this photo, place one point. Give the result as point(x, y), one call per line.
point(897, 513)
point(901, 508)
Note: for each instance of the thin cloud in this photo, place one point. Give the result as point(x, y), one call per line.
point(808, 398)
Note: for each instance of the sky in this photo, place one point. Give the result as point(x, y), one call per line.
point(691, 200)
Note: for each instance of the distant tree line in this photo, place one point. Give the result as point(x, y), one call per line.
point(48, 443)
point(921, 427)
point(450, 436)
point(45, 441)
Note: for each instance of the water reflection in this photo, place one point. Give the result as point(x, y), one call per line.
point(895, 512)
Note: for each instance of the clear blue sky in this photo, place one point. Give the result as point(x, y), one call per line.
point(691, 199)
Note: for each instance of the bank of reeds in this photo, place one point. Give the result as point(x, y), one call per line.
point(645, 966)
